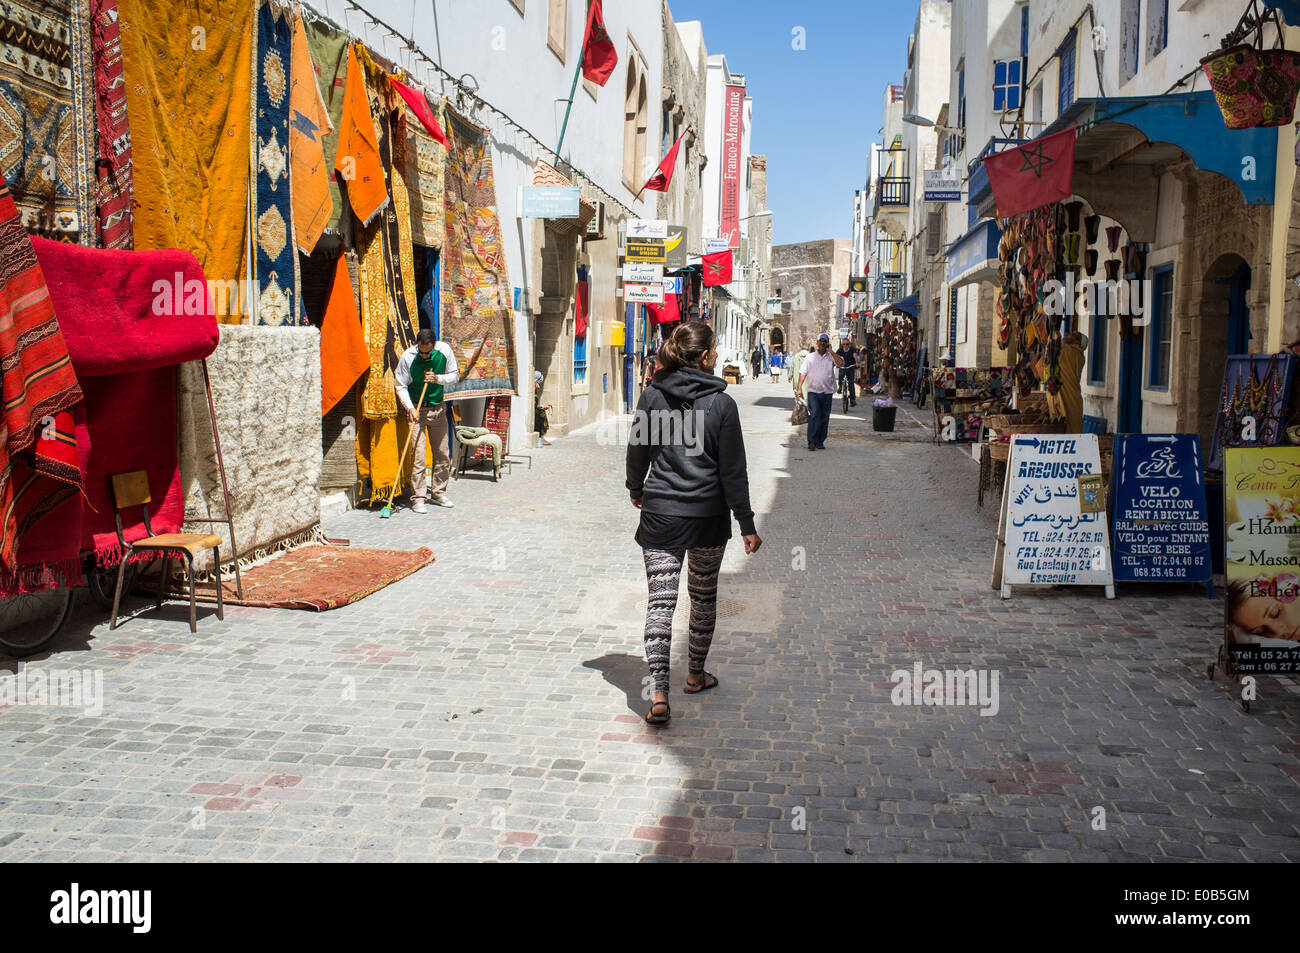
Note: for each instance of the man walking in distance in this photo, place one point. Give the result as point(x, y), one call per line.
point(756, 361)
point(434, 365)
point(818, 372)
point(848, 355)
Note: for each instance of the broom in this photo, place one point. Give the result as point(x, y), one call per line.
point(387, 511)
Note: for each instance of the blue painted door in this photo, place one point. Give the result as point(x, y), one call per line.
point(1129, 416)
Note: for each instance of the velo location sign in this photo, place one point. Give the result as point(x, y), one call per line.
point(1050, 532)
point(1162, 524)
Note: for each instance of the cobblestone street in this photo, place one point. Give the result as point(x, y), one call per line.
point(489, 707)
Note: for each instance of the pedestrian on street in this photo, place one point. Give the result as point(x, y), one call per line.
point(818, 373)
point(541, 412)
point(756, 361)
point(848, 355)
point(432, 363)
point(684, 478)
point(795, 380)
point(777, 359)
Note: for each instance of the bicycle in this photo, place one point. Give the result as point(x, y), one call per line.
point(845, 388)
point(30, 621)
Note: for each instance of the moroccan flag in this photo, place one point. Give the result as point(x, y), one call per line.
point(420, 106)
point(660, 180)
point(598, 55)
point(1032, 175)
point(309, 122)
point(717, 268)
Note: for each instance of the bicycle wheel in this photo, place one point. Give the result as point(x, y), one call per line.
point(30, 621)
point(102, 584)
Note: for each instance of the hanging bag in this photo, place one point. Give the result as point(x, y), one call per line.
point(1254, 87)
point(799, 416)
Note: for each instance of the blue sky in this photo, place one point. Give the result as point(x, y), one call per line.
point(816, 111)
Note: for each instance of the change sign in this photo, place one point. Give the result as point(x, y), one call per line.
point(1162, 526)
point(1047, 536)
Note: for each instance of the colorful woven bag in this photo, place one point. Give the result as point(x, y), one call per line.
point(1254, 87)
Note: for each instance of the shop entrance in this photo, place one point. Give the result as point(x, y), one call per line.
point(1224, 330)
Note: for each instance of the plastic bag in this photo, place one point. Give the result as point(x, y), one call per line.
point(799, 416)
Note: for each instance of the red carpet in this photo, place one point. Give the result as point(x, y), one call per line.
point(318, 577)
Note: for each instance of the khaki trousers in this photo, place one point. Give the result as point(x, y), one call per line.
point(433, 426)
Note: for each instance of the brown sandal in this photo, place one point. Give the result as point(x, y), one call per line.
point(661, 719)
point(703, 687)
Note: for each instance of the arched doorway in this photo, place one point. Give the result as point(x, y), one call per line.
point(777, 338)
point(1224, 330)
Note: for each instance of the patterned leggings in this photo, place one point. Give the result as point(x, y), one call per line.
point(663, 570)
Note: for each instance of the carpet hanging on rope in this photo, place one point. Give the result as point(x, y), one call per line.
point(475, 285)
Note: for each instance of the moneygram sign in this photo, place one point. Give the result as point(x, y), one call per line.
point(733, 120)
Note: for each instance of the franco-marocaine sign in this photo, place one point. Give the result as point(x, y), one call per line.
point(1051, 531)
point(1261, 488)
point(733, 120)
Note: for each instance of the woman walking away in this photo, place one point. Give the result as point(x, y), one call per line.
point(686, 434)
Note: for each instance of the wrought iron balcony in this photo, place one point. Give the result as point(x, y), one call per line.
point(890, 286)
point(895, 191)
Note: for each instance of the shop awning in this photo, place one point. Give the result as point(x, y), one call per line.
point(1186, 122)
point(1290, 10)
point(974, 253)
point(908, 306)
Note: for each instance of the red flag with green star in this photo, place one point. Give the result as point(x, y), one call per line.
point(598, 55)
point(1032, 175)
point(717, 268)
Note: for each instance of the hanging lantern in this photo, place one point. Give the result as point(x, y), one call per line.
point(1254, 87)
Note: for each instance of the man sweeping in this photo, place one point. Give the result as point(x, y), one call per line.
point(428, 368)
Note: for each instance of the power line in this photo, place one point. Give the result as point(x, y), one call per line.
point(465, 92)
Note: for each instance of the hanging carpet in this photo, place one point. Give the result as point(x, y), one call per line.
point(329, 56)
point(475, 285)
point(113, 168)
point(125, 340)
point(191, 129)
point(266, 387)
point(39, 464)
point(276, 250)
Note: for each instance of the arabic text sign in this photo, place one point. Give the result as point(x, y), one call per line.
point(642, 271)
point(1049, 541)
point(549, 201)
point(1262, 557)
point(1162, 527)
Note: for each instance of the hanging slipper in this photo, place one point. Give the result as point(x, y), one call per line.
point(1072, 211)
point(1072, 248)
point(1112, 237)
point(1091, 228)
point(1112, 269)
point(1090, 262)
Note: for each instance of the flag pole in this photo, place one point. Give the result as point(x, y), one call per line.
point(572, 90)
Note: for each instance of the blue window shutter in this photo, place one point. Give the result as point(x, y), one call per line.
point(1065, 91)
point(952, 326)
point(1024, 31)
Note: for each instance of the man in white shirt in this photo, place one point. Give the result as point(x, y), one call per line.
point(428, 368)
point(818, 371)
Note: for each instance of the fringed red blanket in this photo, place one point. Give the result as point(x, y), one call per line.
point(129, 317)
point(38, 449)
